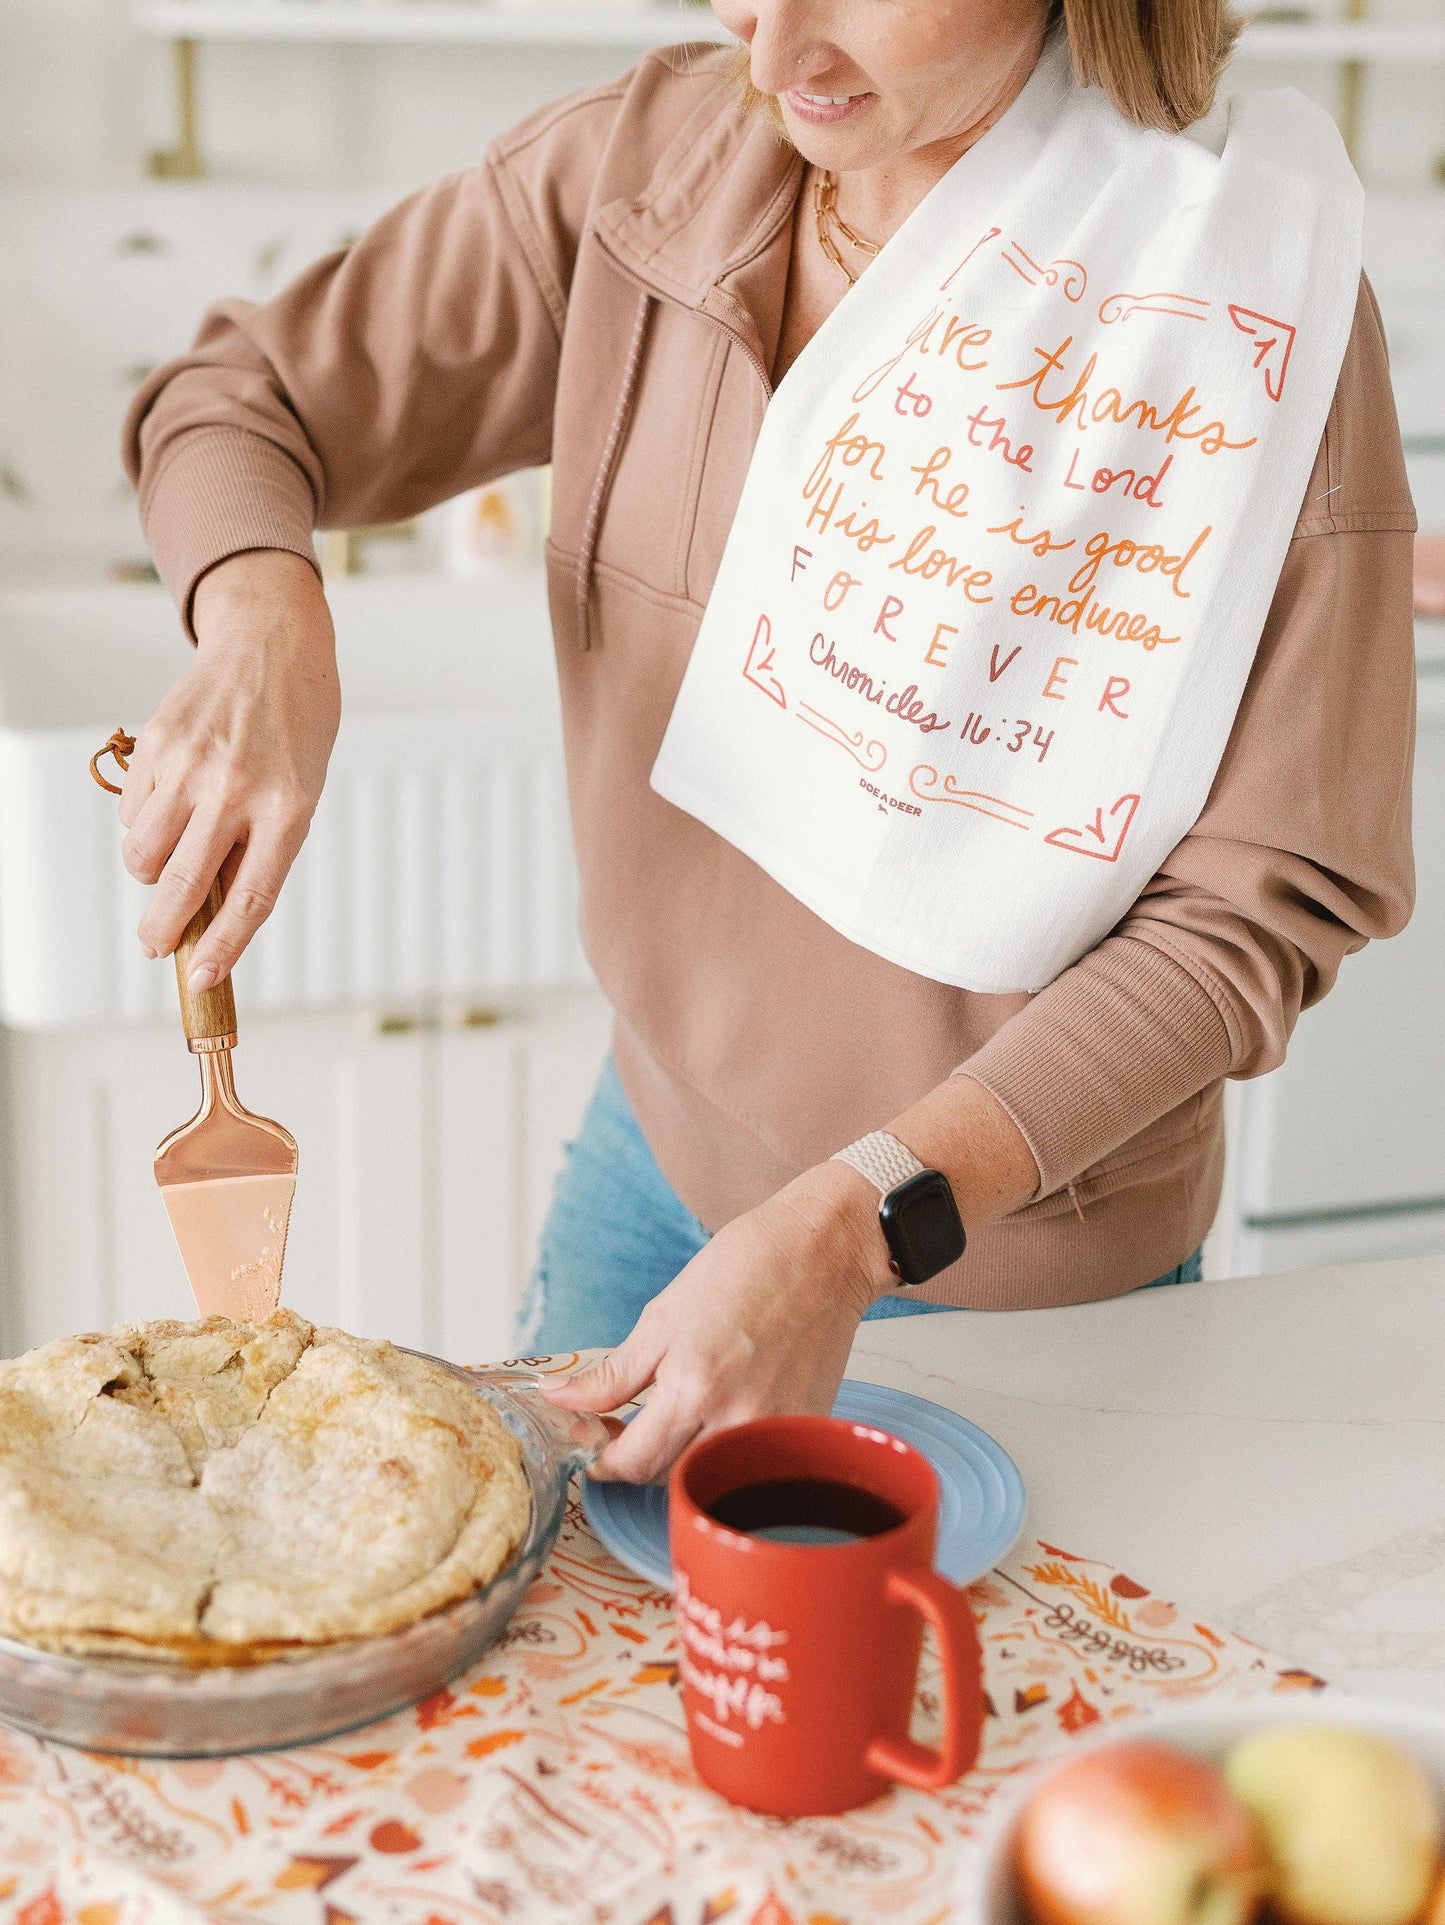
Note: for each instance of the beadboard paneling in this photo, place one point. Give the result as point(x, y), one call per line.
point(439, 863)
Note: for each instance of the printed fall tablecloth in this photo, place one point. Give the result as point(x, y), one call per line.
point(552, 1782)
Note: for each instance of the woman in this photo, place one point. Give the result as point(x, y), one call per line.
point(618, 289)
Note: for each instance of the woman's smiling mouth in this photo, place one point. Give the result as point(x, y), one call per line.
point(823, 109)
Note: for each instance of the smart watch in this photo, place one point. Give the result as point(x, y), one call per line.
point(918, 1216)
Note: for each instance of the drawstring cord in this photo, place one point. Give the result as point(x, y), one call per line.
point(592, 525)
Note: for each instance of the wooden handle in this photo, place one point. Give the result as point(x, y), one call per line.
point(213, 1012)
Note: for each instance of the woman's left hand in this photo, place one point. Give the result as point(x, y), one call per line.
point(759, 1323)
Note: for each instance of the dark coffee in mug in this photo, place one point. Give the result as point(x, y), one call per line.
point(806, 1510)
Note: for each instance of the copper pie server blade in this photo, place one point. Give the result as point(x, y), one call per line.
point(227, 1177)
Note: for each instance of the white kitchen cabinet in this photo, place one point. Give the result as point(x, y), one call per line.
point(428, 1150)
point(1339, 1155)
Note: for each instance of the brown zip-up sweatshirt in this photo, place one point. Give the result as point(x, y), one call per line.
point(605, 292)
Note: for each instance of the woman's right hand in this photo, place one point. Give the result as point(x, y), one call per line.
point(227, 773)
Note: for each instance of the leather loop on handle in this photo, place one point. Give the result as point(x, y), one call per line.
point(946, 1608)
point(122, 747)
point(212, 1014)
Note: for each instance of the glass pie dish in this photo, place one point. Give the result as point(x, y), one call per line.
point(152, 1709)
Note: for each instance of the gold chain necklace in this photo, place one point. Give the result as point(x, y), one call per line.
point(831, 223)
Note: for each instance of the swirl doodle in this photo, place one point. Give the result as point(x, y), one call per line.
point(1074, 1627)
point(1072, 276)
point(1184, 307)
point(862, 751)
point(927, 783)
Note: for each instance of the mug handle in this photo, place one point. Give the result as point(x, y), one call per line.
point(946, 1608)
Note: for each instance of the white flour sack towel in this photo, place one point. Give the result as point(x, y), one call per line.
point(1012, 529)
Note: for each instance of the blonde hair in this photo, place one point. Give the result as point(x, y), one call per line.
point(1159, 61)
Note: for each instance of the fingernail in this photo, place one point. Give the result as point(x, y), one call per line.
point(201, 978)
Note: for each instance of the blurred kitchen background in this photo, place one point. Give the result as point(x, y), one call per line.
point(418, 1011)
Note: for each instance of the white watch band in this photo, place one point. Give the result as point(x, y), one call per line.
point(882, 1159)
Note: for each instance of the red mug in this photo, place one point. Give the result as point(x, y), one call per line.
point(799, 1659)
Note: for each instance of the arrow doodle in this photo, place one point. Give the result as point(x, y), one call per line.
point(1103, 838)
point(1274, 345)
point(758, 668)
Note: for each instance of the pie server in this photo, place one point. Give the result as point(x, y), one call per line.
point(227, 1177)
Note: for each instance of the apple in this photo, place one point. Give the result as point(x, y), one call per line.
point(1138, 1833)
point(1350, 1822)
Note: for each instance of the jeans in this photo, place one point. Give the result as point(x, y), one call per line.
point(618, 1233)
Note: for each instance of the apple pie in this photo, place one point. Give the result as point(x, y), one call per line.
point(220, 1492)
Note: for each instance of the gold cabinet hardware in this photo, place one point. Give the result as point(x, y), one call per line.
point(183, 161)
point(396, 1022)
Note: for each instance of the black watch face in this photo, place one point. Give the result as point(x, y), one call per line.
point(921, 1223)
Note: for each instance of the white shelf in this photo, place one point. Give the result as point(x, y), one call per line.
point(605, 23)
point(482, 22)
point(1376, 40)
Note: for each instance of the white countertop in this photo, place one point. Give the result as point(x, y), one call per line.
point(1267, 1451)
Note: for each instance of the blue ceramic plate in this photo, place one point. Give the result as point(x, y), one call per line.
point(982, 1494)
